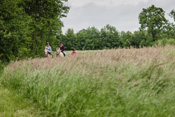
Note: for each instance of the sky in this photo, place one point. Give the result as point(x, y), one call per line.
point(123, 14)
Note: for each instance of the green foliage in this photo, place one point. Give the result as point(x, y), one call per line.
point(13, 29)
point(168, 31)
point(153, 18)
point(26, 26)
point(172, 14)
point(164, 42)
point(92, 38)
point(70, 40)
point(110, 37)
point(89, 39)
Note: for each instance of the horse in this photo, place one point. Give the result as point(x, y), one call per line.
point(46, 54)
point(59, 53)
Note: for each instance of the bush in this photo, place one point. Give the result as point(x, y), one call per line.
point(164, 42)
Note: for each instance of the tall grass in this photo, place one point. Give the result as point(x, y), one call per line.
point(123, 82)
point(13, 105)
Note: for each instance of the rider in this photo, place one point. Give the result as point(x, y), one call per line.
point(49, 49)
point(62, 48)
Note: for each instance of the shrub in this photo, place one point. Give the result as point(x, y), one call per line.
point(164, 42)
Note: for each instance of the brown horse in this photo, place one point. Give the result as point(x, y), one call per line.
point(46, 54)
point(59, 53)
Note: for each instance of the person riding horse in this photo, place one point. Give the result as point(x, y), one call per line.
point(62, 48)
point(48, 50)
point(58, 52)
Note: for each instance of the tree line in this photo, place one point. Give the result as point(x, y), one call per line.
point(153, 27)
point(26, 26)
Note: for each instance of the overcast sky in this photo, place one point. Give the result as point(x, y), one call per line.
point(123, 14)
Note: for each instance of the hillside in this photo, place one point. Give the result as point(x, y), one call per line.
point(123, 82)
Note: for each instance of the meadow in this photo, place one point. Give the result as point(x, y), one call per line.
point(109, 83)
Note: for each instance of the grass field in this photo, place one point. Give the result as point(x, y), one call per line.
point(115, 83)
point(14, 105)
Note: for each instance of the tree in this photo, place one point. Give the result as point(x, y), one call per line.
point(70, 40)
point(46, 21)
point(14, 31)
point(93, 39)
point(169, 30)
point(126, 38)
point(26, 26)
point(110, 37)
point(172, 14)
point(138, 37)
point(89, 39)
point(152, 18)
